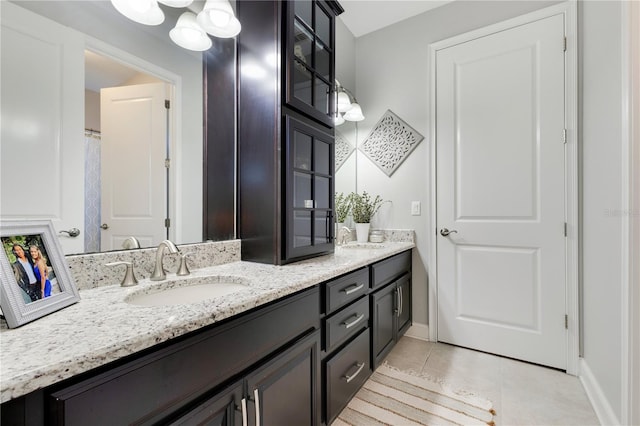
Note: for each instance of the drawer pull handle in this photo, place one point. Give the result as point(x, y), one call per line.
point(244, 412)
point(348, 324)
point(352, 289)
point(349, 378)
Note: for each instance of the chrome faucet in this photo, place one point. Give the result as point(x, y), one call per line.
point(159, 273)
point(345, 231)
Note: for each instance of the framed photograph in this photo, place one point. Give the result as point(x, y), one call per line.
point(35, 276)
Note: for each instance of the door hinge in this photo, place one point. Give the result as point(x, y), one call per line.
point(167, 223)
point(564, 136)
point(167, 163)
point(565, 229)
point(564, 44)
point(167, 103)
point(566, 321)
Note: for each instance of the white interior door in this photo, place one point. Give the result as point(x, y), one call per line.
point(500, 192)
point(42, 151)
point(134, 134)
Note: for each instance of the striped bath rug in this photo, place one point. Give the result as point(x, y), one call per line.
point(394, 397)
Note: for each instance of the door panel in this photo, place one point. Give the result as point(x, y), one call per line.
point(500, 187)
point(134, 132)
point(42, 150)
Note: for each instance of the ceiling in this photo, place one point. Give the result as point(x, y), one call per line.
point(365, 16)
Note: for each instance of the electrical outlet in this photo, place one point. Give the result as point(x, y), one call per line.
point(415, 208)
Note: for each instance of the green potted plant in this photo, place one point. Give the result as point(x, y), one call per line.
point(363, 207)
point(342, 208)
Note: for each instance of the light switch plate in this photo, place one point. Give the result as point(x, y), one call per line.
point(415, 208)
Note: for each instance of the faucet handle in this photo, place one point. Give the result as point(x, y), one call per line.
point(129, 276)
point(183, 269)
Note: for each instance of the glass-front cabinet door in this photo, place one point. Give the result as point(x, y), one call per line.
point(309, 183)
point(310, 59)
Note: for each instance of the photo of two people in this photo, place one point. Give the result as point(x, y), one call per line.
point(33, 272)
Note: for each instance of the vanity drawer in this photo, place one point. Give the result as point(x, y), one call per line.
point(389, 269)
point(343, 290)
point(346, 323)
point(345, 374)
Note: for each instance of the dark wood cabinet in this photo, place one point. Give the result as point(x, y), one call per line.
point(309, 188)
point(223, 409)
point(286, 390)
point(285, 133)
point(390, 304)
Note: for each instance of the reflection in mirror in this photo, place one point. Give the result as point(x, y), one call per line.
point(68, 66)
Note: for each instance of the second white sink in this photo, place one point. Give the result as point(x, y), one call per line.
point(189, 291)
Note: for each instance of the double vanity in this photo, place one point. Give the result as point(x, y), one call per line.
point(270, 345)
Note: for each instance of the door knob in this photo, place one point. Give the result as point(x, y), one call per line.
point(73, 232)
point(445, 232)
point(104, 226)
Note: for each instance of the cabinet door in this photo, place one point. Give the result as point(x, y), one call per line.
point(404, 304)
point(309, 33)
point(309, 182)
point(285, 391)
point(221, 410)
point(384, 322)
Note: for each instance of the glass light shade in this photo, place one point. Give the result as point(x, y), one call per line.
point(338, 119)
point(145, 12)
point(354, 114)
point(344, 103)
point(217, 18)
point(188, 34)
point(176, 3)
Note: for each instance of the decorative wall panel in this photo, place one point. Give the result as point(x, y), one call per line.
point(343, 149)
point(390, 142)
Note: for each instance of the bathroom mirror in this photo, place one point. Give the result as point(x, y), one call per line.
point(60, 54)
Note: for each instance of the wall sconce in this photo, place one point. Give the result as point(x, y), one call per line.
point(347, 107)
point(216, 18)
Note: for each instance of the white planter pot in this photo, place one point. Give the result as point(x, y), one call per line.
point(362, 232)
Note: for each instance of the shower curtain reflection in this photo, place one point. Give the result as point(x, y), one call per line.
point(92, 191)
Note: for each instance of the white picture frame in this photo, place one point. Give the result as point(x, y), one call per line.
point(21, 298)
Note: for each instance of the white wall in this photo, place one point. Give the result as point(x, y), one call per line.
point(392, 73)
point(603, 156)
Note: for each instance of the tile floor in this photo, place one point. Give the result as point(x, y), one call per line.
point(522, 393)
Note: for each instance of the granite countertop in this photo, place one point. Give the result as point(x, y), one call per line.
point(102, 327)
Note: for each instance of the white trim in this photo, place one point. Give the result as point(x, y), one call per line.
point(569, 10)
point(175, 123)
point(631, 222)
point(604, 411)
point(418, 331)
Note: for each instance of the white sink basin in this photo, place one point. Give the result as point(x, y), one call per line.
point(187, 291)
point(356, 245)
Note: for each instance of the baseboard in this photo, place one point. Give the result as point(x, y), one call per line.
point(418, 331)
point(596, 396)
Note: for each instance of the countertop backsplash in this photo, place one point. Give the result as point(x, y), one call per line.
point(89, 270)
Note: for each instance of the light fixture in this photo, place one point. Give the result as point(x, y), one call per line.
point(354, 114)
point(188, 34)
point(176, 3)
point(338, 119)
point(344, 103)
point(217, 18)
point(145, 12)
